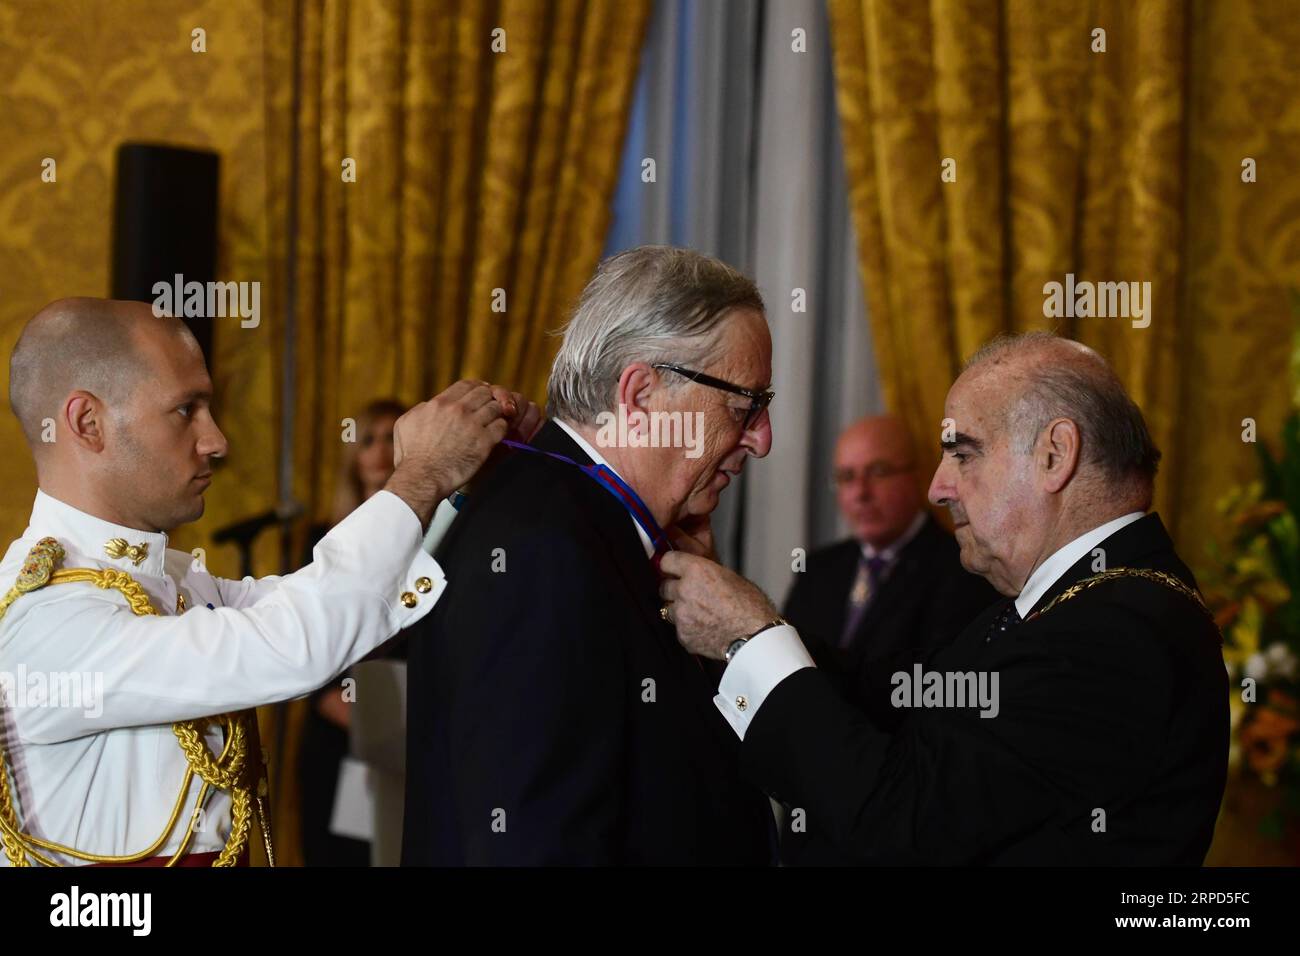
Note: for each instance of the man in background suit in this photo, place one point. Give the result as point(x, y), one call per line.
point(553, 718)
point(1083, 720)
point(895, 591)
point(887, 597)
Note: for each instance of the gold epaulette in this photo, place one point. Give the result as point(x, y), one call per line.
point(41, 568)
point(231, 770)
point(36, 571)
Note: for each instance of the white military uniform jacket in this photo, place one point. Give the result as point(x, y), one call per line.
point(93, 759)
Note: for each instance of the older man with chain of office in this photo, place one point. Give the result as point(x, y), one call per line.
point(164, 767)
point(1105, 738)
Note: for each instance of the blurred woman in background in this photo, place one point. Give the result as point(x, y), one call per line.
point(366, 467)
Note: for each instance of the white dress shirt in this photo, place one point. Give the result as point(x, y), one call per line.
point(103, 774)
point(1050, 571)
point(598, 459)
point(777, 653)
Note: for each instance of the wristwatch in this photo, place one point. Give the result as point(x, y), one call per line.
point(740, 642)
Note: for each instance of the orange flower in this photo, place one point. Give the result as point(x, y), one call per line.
point(1225, 615)
point(1264, 738)
point(1281, 702)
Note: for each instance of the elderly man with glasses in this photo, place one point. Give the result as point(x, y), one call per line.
point(552, 716)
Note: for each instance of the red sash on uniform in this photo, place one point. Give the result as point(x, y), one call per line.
point(190, 859)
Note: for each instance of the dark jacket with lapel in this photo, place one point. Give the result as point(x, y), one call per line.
point(1109, 747)
point(553, 718)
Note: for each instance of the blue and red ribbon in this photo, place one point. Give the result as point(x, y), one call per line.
point(620, 489)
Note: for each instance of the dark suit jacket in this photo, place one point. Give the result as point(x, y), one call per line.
point(923, 603)
point(552, 698)
point(1112, 701)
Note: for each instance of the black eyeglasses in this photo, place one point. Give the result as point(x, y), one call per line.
point(757, 400)
point(875, 472)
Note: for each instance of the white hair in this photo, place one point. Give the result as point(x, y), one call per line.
point(648, 304)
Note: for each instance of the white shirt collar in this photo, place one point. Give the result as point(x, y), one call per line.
point(87, 535)
point(889, 553)
point(599, 459)
point(1050, 571)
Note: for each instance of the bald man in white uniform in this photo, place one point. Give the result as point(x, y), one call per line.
point(125, 666)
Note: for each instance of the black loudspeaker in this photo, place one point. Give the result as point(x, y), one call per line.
point(165, 224)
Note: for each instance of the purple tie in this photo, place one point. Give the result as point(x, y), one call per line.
point(864, 586)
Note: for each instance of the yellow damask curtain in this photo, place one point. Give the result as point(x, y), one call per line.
point(483, 140)
point(76, 81)
point(453, 166)
point(1114, 163)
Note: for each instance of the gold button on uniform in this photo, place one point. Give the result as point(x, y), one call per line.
point(409, 599)
point(423, 585)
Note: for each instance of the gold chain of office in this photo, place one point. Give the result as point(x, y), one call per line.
point(231, 770)
point(1160, 577)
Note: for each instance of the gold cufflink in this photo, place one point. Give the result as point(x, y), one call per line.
point(423, 585)
point(409, 599)
point(742, 703)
